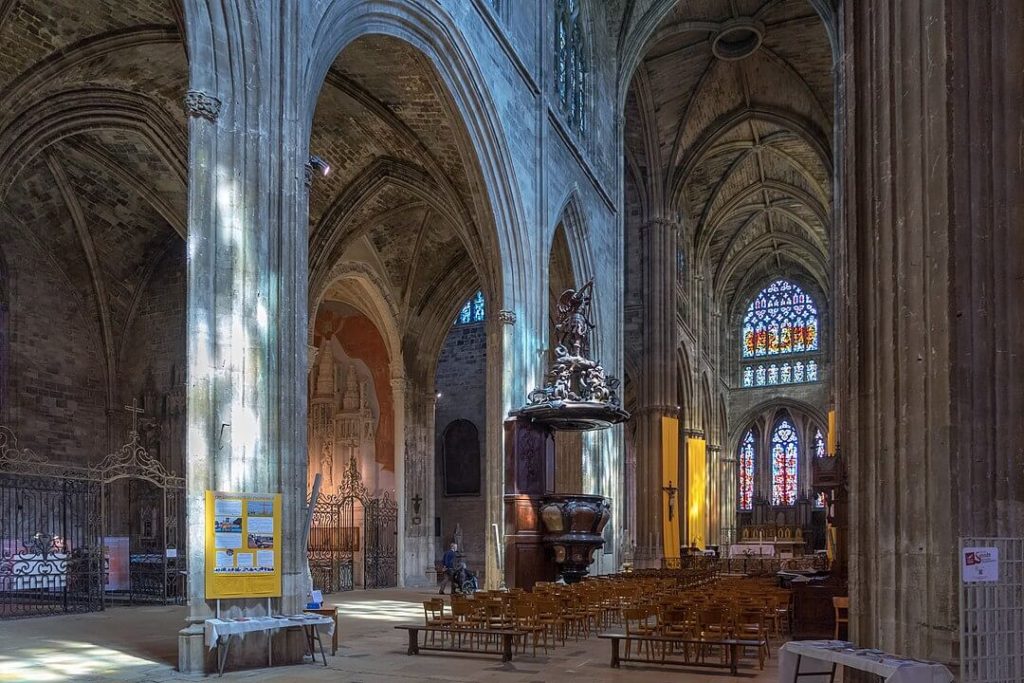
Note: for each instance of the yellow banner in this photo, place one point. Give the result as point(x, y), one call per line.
point(243, 545)
point(696, 492)
point(671, 494)
point(830, 438)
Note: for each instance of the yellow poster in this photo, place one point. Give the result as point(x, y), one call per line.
point(696, 492)
point(671, 493)
point(243, 545)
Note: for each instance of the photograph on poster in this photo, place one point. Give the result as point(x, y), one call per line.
point(261, 508)
point(229, 525)
point(227, 507)
point(261, 541)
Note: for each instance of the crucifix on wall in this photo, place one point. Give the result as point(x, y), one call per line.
point(671, 491)
point(135, 411)
point(416, 500)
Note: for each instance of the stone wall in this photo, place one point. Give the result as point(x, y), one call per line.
point(460, 379)
point(55, 395)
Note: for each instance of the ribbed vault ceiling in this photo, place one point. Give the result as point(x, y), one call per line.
point(738, 147)
point(93, 145)
point(399, 179)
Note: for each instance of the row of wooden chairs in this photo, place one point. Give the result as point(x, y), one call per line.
point(688, 604)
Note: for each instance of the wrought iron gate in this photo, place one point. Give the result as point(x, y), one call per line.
point(352, 531)
point(50, 521)
point(333, 543)
point(380, 522)
point(56, 551)
point(154, 502)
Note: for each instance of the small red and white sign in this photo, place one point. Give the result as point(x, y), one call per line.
point(979, 564)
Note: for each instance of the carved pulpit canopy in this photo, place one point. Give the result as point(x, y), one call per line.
point(579, 394)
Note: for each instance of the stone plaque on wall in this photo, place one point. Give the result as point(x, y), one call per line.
point(461, 459)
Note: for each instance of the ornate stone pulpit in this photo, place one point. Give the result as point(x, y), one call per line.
point(549, 533)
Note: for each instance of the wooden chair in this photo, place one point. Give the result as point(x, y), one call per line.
point(638, 623)
point(841, 605)
point(751, 624)
point(434, 616)
point(525, 614)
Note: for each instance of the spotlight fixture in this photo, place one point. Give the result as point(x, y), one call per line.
point(319, 164)
point(439, 394)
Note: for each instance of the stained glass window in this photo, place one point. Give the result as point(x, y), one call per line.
point(785, 446)
point(819, 444)
point(746, 472)
point(819, 501)
point(570, 64)
point(782, 319)
point(472, 311)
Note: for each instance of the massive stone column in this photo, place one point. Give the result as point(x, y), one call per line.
point(657, 384)
point(417, 505)
point(246, 318)
point(930, 276)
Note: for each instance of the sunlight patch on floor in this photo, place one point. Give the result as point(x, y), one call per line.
point(65, 660)
point(380, 610)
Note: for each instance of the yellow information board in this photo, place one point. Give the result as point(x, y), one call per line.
point(243, 545)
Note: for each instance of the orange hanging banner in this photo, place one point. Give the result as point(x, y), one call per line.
point(696, 492)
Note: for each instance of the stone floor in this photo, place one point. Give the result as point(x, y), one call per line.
point(138, 645)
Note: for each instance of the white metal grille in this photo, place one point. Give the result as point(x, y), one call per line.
point(992, 617)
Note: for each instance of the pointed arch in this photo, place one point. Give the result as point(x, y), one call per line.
point(498, 210)
point(784, 454)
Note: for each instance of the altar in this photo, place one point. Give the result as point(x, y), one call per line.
point(769, 540)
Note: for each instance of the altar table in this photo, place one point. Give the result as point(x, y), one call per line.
point(806, 661)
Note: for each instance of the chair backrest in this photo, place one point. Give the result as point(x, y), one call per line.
point(840, 603)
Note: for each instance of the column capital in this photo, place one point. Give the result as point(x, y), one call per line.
point(658, 409)
point(199, 104)
point(507, 317)
point(691, 433)
point(399, 384)
point(659, 223)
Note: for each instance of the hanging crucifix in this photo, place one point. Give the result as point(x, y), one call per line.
point(671, 491)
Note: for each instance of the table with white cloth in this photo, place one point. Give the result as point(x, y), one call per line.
point(808, 661)
point(219, 631)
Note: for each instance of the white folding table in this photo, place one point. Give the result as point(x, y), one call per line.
point(218, 633)
point(807, 661)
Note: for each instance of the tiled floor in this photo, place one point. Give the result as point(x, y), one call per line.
point(139, 645)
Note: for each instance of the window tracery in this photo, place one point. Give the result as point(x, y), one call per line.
point(472, 311)
point(785, 447)
point(570, 64)
point(781, 320)
point(746, 472)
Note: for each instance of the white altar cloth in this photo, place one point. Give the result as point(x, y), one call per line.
point(215, 628)
point(892, 668)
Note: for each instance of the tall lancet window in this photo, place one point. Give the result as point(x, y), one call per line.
point(781, 329)
point(745, 463)
point(571, 64)
point(785, 447)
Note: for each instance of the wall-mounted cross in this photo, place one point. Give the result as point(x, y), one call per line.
point(135, 410)
point(416, 504)
point(671, 491)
